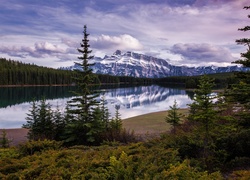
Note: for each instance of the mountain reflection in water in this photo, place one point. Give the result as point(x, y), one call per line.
point(133, 101)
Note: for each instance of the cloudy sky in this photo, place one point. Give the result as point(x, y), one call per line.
point(184, 32)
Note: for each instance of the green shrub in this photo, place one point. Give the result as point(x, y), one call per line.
point(31, 147)
point(240, 174)
point(9, 153)
point(9, 166)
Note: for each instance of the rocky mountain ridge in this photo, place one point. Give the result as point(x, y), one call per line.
point(140, 65)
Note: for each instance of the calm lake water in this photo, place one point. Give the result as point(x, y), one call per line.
point(133, 101)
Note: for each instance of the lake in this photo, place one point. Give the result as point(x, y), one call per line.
point(133, 101)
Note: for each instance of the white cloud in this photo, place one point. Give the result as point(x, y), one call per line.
point(48, 48)
point(122, 42)
point(38, 50)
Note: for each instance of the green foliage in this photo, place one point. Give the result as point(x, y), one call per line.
point(185, 171)
point(204, 115)
point(190, 83)
point(236, 144)
point(4, 141)
point(202, 109)
point(116, 123)
point(120, 168)
point(9, 153)
point(149, 160)
point(85, 125)
point(240, 174)
point(173, 116)
point(40, 121)
point(32, 147)
point(221, 80)
point(18, 73)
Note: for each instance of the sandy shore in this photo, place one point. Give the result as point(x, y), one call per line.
point(16, 136)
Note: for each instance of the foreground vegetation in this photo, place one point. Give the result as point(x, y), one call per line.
point(47, 160)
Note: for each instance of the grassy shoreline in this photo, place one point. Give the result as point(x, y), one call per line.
point(151, 123)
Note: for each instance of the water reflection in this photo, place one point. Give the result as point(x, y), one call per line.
point(133, 101)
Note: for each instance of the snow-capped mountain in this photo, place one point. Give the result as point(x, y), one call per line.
point(140, 65)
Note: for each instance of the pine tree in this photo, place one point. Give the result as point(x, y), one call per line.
point(115, 126)
point(32, 120)
point(203, 114)
point(246, 42)
point(4, 141)
point(117, 121)
point(40, 121)
point(81, 128)
point(239, 94)
point(59, 123)
point(105, 113)
point(173, 116)
point(45, 125)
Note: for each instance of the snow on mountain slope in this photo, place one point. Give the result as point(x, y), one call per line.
point(140, 65)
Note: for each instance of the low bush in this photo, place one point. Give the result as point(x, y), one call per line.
point(31, 147)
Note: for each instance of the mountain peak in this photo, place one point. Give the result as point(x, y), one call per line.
point(118, 52)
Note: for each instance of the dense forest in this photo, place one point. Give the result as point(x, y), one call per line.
point(18, 73)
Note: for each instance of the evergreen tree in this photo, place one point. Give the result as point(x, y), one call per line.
point(45, 119)
point(59, 123)
point(117, 121)
point(4, 141)
point(81, 128)
point(32, 120)
point(115, 127)
point(239, 94)
point(203, 114)
point(40, 121)
point(173, 116)
point(246, 42)
point(105, 113)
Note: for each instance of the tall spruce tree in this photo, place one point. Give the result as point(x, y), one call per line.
point(82, 128)
point(203, 114)
point(238, 97)
point(239, 94)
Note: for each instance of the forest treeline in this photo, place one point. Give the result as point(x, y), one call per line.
point(19, 73)
point(221, 80)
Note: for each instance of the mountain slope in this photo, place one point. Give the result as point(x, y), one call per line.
point(140, 65)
